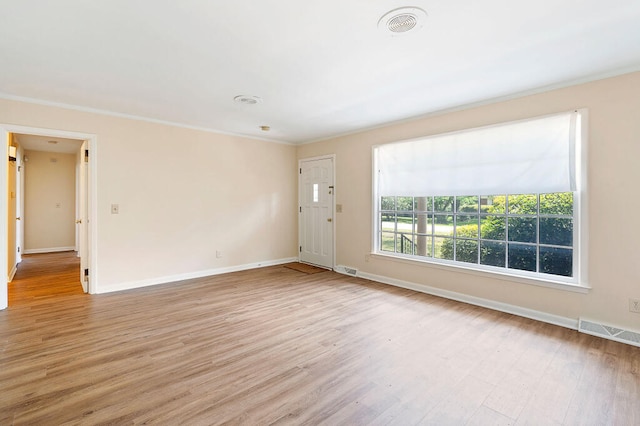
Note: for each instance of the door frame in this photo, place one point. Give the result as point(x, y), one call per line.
point(20, 204)
point(331, 157)
point(92, 215)
point(82, 210)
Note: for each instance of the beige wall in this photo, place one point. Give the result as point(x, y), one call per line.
point(50, 201)
point(614, 149)
point(183, 195)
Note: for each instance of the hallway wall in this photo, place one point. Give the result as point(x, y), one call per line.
point(49, 202)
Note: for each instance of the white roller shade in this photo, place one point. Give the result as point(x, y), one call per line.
point(532, 156)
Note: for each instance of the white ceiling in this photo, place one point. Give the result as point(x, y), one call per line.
point(321, 67)
point(48, 143)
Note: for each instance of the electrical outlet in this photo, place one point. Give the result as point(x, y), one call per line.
point(634, 305)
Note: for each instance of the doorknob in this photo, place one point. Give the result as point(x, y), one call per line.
point(79, 221)
point(329, 220)
point(18, 218)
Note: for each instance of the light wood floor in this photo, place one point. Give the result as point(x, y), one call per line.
point(278, 346)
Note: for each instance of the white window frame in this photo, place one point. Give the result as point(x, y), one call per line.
point(577, 283)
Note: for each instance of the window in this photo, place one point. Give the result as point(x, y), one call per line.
point(527, 232)
point(485, 198)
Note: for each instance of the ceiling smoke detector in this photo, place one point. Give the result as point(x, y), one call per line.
point(402, 20)
point(247, 100)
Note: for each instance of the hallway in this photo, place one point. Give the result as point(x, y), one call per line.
point(45, 276)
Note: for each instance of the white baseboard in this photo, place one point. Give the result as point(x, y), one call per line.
point(191, 275)
point(48, 250)
point(460, 297)
point(12, 273)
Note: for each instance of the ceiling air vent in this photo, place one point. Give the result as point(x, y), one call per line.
point(403, 20)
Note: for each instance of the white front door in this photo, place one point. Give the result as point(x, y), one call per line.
point(316, 212)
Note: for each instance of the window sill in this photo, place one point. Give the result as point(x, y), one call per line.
point(504, 276)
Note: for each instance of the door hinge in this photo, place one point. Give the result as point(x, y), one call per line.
point(301, 171)
point(300, 249)
point(18, 249)
point(19, 168)
point(86, 272)
point(86, 155)
point(300, 209)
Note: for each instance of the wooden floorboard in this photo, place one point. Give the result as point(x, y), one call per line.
point(276, 346)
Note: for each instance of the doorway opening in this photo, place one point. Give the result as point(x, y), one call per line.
point(49, 216)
